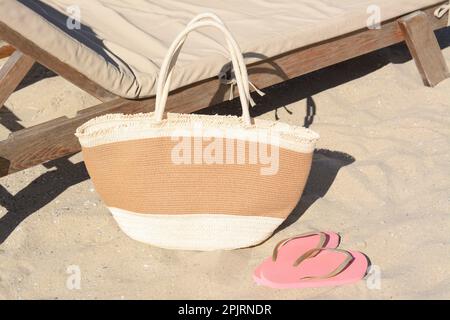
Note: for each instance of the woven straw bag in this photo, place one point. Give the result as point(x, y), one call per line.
point(197, 182)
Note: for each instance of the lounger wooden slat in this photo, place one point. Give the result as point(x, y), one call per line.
point(53, 139)
point(56, 138)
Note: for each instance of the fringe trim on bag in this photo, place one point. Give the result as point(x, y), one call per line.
point(112, 128)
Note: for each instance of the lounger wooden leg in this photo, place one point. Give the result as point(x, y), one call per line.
point(424, 48)
point(12, 73)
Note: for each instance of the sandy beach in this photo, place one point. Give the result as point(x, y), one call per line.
point(380, 177)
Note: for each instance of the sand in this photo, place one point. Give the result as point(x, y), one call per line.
point(381, 179)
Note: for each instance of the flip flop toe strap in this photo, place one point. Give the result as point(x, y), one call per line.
point(341, 267)
point(309, 253)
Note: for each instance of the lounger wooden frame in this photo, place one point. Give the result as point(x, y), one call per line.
point(55, 138)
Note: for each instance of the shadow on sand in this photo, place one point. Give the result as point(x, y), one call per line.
point(325, 167)
point(61, 175)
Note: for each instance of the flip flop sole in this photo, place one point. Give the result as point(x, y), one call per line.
point(290, 277)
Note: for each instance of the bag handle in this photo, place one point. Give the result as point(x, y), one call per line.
point(237, 50)
point(164, 79)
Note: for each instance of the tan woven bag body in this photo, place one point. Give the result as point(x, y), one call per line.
point(197, 182)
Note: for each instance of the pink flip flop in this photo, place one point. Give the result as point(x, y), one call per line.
point(289, 250)
point(328, 267)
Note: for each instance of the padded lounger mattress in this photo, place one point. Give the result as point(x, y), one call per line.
point(121, 43)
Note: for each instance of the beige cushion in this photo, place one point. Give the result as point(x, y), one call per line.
point(121, 43)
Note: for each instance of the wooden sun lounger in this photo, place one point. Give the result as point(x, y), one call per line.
point(55, 139)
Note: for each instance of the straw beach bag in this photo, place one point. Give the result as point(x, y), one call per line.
point(197, 182)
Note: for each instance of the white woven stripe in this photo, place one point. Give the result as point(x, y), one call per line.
point(205, 232)
point(120, 127)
